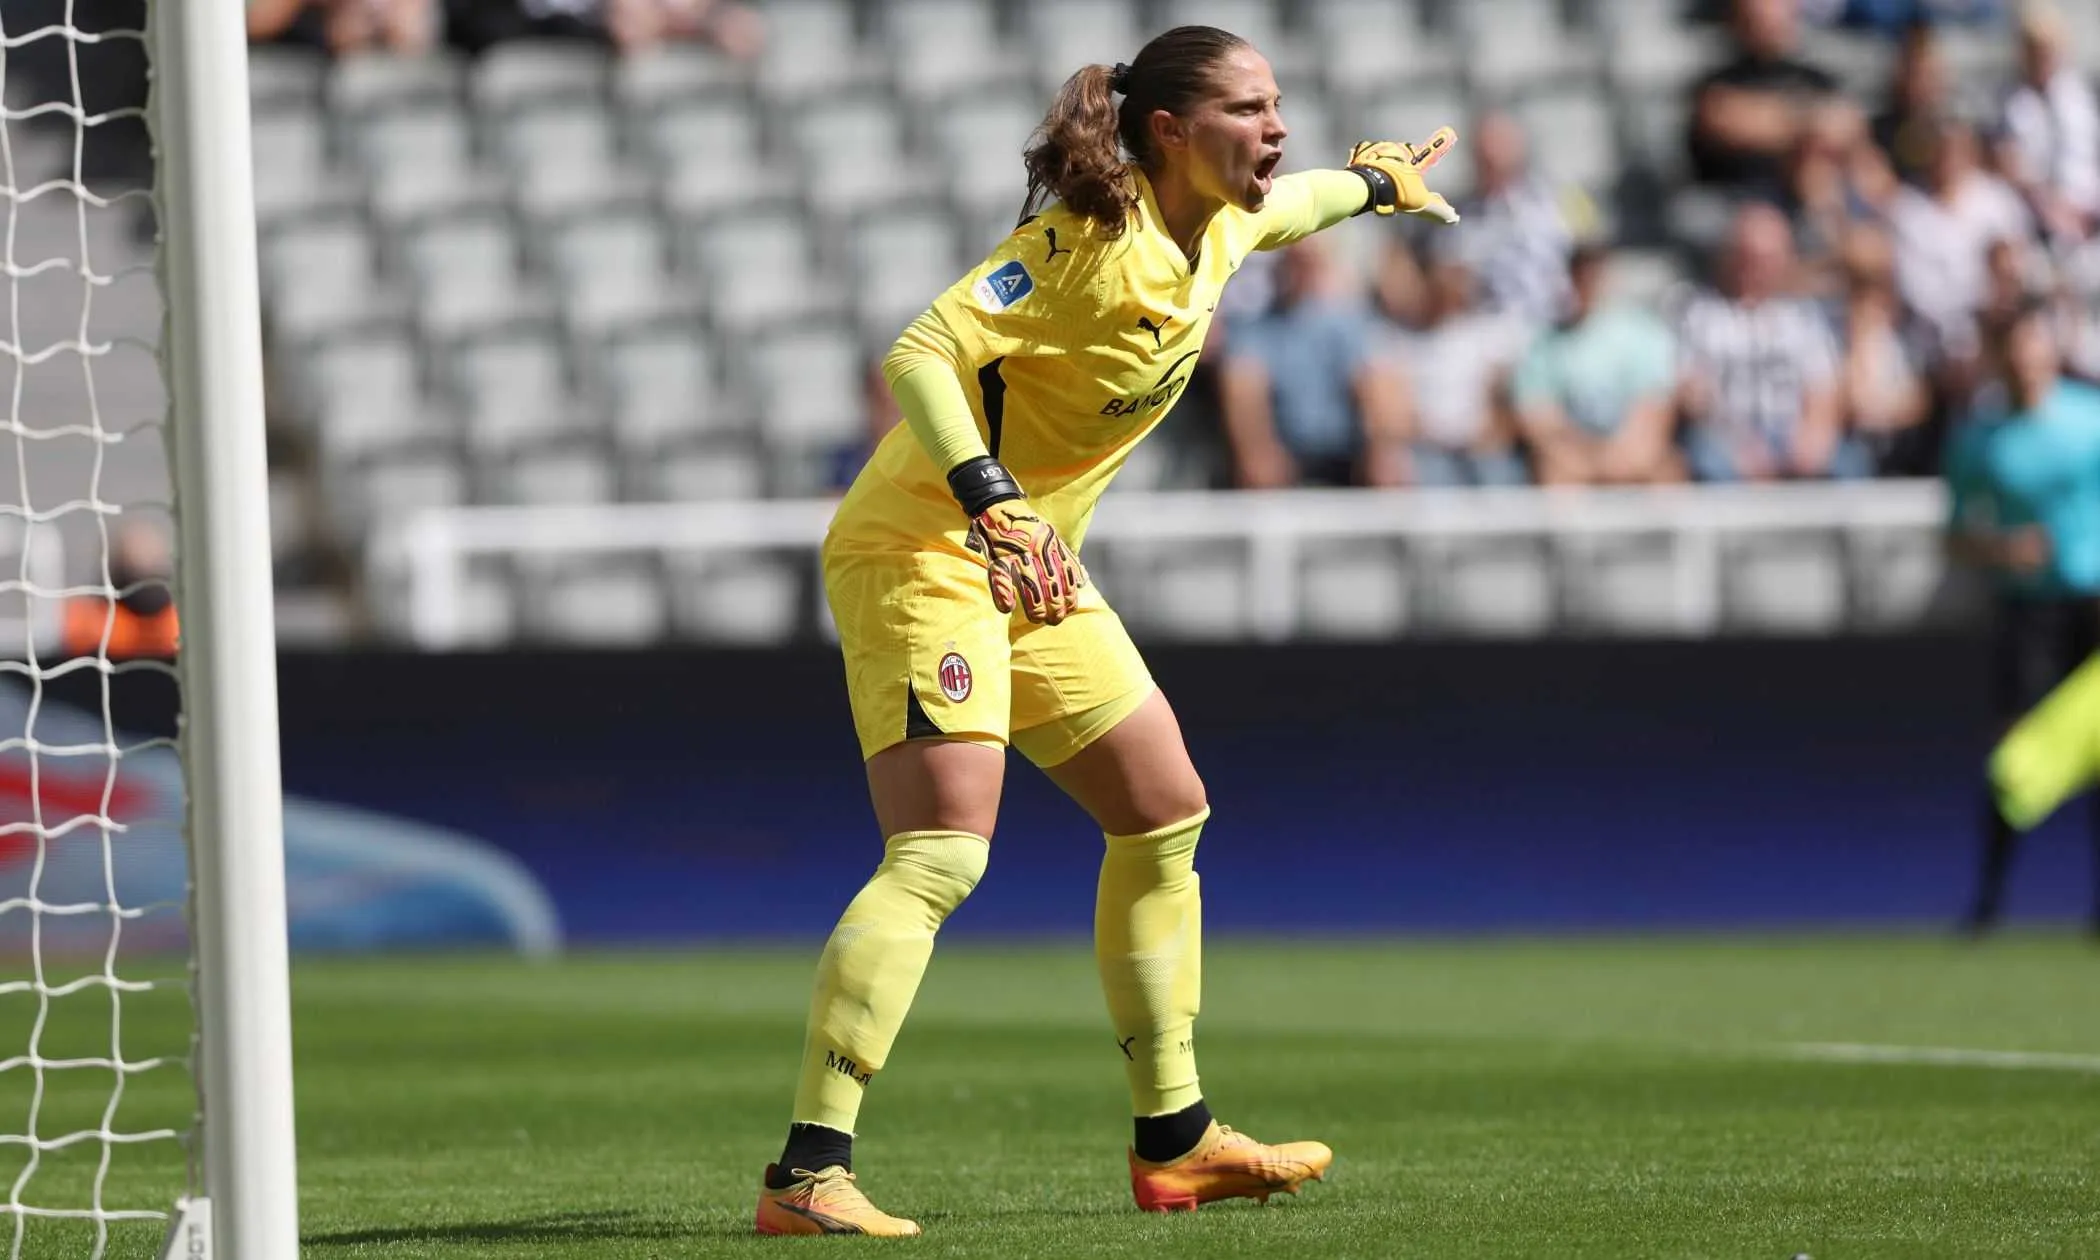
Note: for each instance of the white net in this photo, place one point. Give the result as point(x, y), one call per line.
point(96, 1101)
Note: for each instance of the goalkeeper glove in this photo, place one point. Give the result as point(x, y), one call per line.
point(1027, 565)
point(1394, 172)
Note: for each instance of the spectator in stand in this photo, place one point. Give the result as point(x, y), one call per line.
point(1593, 396)
point(1749, 114)
point(1517, 227)
point(1899, 17)
point(1304, 401)
point(140, 621)
point(1758, 369)
point(1886, 394)
point(2051, 130)
point(629, 25)
point(1456, 362)
point(406, 27)
point(1836, 178)
point(1918, 97)
point(1944, 232)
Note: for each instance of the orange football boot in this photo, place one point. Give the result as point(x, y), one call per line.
point(1226, 1165)
point(825, 1202)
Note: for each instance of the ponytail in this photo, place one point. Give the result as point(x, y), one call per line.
point(1078, 152)
point(1077, 155)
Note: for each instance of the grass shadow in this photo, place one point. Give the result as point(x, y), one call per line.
point(600, 1226)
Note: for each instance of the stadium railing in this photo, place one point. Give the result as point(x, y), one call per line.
point(1691, 536)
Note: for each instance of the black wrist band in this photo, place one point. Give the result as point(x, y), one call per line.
point(1384, 192)
point(979, 483)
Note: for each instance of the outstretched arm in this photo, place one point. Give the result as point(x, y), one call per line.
point(1381, 175)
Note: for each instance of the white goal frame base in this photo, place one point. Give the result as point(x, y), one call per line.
point(189, 1231)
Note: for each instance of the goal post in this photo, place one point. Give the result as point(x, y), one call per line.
point(235, 819)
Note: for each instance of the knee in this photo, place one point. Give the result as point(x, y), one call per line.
point(940, 868)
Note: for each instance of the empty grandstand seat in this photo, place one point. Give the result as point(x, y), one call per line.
point(807, 385)
point(1492, 587)
point(650, 80)
point(1518, 46)
point(1651, 49)
point(758, 270)
point(613, 272)
point(1625, 585)
point(392, 489)
point(813, 48)
point(941, 49)
point(1786, 583)
point(747, 599)
point(281, 78)
point(662, 388)
point(980, 148)
point(422, 141)
point(607, 601)
point(700, 473)
point(1259, 22)
point(365, 83)
point(368, 396)
point(577, 473)
point(897, 273)
point(1352, 589)
point(853, 154)
point(321, 276)
point(527, 75)
point(579, 133)
point(1315, 141)
point(1070, 34)
point(467, 273)
point(292, 171)
point(1574, 138)
point(1365, 44)
point(513, 393)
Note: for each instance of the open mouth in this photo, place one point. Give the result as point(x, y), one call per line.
point(1265, 170)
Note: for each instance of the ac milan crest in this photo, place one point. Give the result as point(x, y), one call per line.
point(955, 677)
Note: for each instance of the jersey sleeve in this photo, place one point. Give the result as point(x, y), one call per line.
point(1308, 202)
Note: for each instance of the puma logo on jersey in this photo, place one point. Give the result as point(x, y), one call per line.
point(1050, 233)
point(1145, 322)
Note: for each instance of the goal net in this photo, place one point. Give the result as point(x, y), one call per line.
point(125, 1112)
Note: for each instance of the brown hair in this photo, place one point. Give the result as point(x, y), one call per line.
point(1077, 154)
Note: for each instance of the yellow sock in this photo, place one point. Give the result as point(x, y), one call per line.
point(1148, 940)
point(872, 965)
point(2053, 753)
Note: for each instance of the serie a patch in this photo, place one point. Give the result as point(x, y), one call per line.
point(998, 290)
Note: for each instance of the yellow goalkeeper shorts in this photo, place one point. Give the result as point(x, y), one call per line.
point(927, 655)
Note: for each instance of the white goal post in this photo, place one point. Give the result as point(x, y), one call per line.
point(241, 1201)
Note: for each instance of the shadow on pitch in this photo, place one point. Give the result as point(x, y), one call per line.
point(560, 1227)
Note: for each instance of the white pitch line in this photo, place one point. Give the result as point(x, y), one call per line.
point(1944, 1056)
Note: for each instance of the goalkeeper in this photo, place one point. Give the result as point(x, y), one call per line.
point(965, 616)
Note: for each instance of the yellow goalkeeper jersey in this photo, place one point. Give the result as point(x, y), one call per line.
point(1069, 348)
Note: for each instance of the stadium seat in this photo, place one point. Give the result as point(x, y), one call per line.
point(814, 49)
point(362, 84)
point(714, 471)
point(1784, 583)
point(980, 149)
point(721, 138)
point(528, 75)
point(1197, 593)
point(897, 273)
point(1515, 47)
point(1651, 49)
point(392, 489)
point(1645, 277)
point(612, 271)
point(467, 273)
point(806, 383)
point(1352, 590)
point(1259, 22)
point(1366, 44)
point(1573, 137)
point(882, 169)
point(292, 171)
point(580, 133)
point(282, 78)
point(1492, 588)
point(569, 474)
point(1074, 33)
point(368, 395)
point(422, 141)
point(942, 49)
point(599, 601)
point(1655, 123)
point(513, 393)
point(758, 271)
point(1624, 585)
point(649, 81)
point(662, 389)
point(1315, 141)
point(321, 276)
point(744, 599)
point(1864, 61)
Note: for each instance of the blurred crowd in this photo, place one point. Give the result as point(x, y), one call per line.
point(1859, 259)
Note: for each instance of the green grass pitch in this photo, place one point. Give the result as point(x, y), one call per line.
point(1582, 1098)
